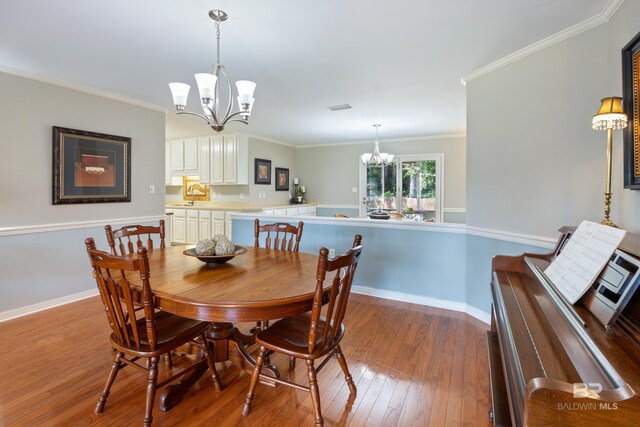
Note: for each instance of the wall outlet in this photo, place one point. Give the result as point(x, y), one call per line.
point(332, 253)
point(354, 189)
point(152, 189)
point(242, 195)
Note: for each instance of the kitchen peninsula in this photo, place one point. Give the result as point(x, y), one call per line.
point(190, 223)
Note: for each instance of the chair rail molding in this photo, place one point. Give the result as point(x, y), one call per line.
point(48, 228)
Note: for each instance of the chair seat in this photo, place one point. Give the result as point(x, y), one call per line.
point(172, 331)
point(290, 336)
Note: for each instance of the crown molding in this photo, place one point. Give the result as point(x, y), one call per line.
point(412, 139)
point(81, 88)
point(262, 138)
point(604, 16)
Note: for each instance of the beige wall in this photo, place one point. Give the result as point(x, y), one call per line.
point(29, 110)
point(40, 264)
point(330, 172)
point(534, 163)
point(281, 156)
point(622, 28)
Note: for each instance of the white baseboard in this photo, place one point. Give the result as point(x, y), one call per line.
point(422, 300)
point(45, 305)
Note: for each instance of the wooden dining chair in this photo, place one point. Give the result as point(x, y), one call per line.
point(146, 333)
point(131, 237)
point(280, 235)
point(311, 336)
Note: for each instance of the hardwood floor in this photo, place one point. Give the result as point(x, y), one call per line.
point(412, 365)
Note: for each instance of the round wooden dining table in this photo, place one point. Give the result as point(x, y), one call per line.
point(258, 285)
point(261, 284)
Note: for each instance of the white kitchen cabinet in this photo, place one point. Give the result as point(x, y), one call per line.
point(227, 225)
point(192, 226)
point(204, 158)
point(307, 210)
point(179, 226)
point(183, 157)
point(280, 212)
point(204, 225)
point(229, 159)
point(167, 164)
point(218, 220)
point(292, 211)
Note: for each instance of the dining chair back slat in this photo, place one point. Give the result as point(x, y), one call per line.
point(285, 237)
point(128, 239)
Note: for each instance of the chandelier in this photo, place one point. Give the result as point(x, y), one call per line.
point(209, 83)
point(377, 158)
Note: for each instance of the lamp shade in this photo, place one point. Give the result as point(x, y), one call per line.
point(179, 91)
point(611, 115)
point(245, 91)
point(206, 85)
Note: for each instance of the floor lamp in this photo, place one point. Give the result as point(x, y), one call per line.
point(611, 116)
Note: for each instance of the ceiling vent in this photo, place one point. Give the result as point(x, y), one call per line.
point(339, 107)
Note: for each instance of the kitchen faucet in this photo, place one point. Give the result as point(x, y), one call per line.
point(192, 202)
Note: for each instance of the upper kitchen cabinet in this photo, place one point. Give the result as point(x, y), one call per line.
point(216, 159)
point(183, 157)
point(229, 159)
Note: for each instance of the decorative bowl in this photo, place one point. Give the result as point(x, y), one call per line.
point(379, 215)
point(216, 259)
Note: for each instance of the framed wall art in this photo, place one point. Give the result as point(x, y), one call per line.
point(90, 167)
point(631, 106)
point(262, 173)
point(282, 179)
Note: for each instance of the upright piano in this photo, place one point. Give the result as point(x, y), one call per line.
point(553, 363)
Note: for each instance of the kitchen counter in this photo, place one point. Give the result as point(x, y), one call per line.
point(234, 206)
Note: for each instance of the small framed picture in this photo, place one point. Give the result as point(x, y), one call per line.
point(262, 173)
point(282, 179)
point(90, 167)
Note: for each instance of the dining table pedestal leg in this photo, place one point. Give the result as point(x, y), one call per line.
point(228, 344)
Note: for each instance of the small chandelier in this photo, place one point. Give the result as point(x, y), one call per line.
point(209, 88)
point(377, 158)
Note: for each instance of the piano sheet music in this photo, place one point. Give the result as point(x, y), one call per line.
point(584, 256)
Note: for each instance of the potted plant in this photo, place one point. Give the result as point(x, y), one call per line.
point(299, 194)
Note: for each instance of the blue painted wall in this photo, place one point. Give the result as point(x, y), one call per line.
point(449, 266)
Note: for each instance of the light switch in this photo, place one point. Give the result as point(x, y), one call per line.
point(354, 189)
point(152, 189)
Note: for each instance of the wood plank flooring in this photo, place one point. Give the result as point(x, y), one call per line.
point(412, 365)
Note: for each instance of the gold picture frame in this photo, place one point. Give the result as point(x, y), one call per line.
point(631, 100)
point(90, 167)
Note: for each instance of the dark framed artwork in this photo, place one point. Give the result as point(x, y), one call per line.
point(631, 106)
point(282, 179)
point(90, 167)
point(262, 173)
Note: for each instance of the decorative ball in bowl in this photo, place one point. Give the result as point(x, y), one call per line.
point(216, 259)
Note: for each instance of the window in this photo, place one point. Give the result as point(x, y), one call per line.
point(411, 185)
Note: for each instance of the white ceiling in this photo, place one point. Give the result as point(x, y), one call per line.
point(397, 63)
